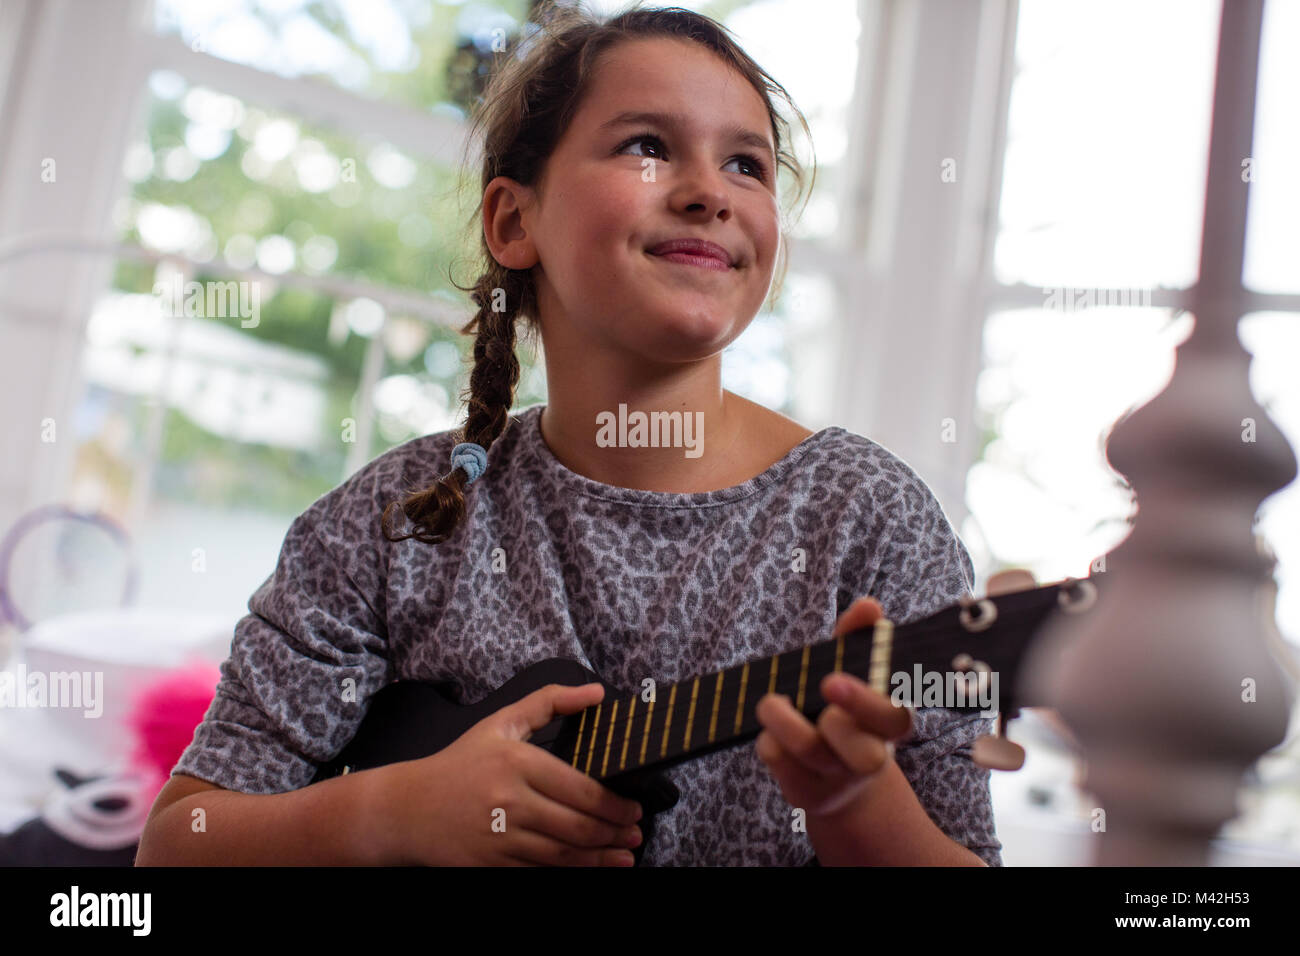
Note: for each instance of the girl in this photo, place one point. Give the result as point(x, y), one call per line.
point(630, 218)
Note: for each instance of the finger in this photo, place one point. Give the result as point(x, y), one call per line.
point(1010, 581)
point(554, 778)
point(796, 736)
point(530, 848)
point(863, 612)
point(800, 788)
point(873, 711)
point(540, 814)
point(519, 720)
point(862, 754)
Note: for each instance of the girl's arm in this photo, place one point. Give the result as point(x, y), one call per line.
point(196, 823)
point(442, 809)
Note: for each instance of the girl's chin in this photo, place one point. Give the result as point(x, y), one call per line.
point(690, 341)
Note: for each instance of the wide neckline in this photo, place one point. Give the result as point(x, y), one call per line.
point(566, 480)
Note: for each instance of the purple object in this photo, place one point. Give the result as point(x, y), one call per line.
point(51, 513)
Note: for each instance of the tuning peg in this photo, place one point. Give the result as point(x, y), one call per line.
point(997, 753)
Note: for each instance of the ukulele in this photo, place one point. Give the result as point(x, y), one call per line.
point(627, 740)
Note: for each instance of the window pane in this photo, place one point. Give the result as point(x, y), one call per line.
point(785, 359)
point(214, 177)
point(1272, 230)
point(1042, 495)
point(1104, 176)
point(411, 51)
point(1044, 498)
point(208, 428)
point(243, 433)
point(426, 368)
point(816, 60)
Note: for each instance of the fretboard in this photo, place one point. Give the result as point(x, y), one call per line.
point(628, 733)
point(715, 710)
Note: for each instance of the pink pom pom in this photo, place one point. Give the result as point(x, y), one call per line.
point(163, 717)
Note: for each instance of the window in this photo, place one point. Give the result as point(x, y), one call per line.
point(301, 155)
point(1102, 198)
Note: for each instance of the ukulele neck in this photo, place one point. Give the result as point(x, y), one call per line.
point(665, 725)
point(662, 725)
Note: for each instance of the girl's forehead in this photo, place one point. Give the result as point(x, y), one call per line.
point(670, 76)
point(646, 65)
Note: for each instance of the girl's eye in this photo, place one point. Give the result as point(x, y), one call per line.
point(760, 169)
point(642, 138)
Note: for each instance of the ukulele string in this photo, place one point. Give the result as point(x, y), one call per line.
point(921, 636)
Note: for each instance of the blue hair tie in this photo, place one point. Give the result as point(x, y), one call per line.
point(470, 457)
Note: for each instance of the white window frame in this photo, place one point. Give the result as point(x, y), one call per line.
point(913, 265)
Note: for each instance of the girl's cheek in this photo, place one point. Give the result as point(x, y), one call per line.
point(610, 214)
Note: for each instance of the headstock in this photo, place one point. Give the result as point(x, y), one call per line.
point(996, 751)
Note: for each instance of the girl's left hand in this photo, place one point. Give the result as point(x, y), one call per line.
point(825, 768)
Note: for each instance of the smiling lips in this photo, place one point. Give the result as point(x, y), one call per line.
point(694, 252)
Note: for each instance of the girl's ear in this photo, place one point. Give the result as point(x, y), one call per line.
point(506, 219)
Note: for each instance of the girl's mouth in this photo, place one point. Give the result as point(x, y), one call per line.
point(687, 259)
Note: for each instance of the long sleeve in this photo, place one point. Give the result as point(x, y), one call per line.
point(302, 667)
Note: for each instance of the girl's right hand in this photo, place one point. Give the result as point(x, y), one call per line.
point(440, 810)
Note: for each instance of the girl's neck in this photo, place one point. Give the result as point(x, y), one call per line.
point(739, 440)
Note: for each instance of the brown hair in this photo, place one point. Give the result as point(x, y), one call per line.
point(533, 94)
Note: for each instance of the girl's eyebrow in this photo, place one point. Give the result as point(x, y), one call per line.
point(676, 121)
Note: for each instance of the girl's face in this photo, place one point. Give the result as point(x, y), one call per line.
point(616, 186)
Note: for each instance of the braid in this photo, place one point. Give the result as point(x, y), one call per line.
point(437, 510)
point(496, 367)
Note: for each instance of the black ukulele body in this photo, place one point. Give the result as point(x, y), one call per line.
point(408, 720)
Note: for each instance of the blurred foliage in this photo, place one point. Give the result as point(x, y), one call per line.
point(364, 219)
point(415, 237)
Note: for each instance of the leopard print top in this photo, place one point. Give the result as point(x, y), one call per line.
point(630, 583)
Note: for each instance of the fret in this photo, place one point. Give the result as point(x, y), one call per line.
point(645, 734)
point(740, 704)
point(881, 638)
point(627, 735)
point(717, 699)
point(577, 747)
point(668, 721)
point(690, 716)
point(609, 738)
point(816, 660)
point(595, 726)
point(803, 678)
